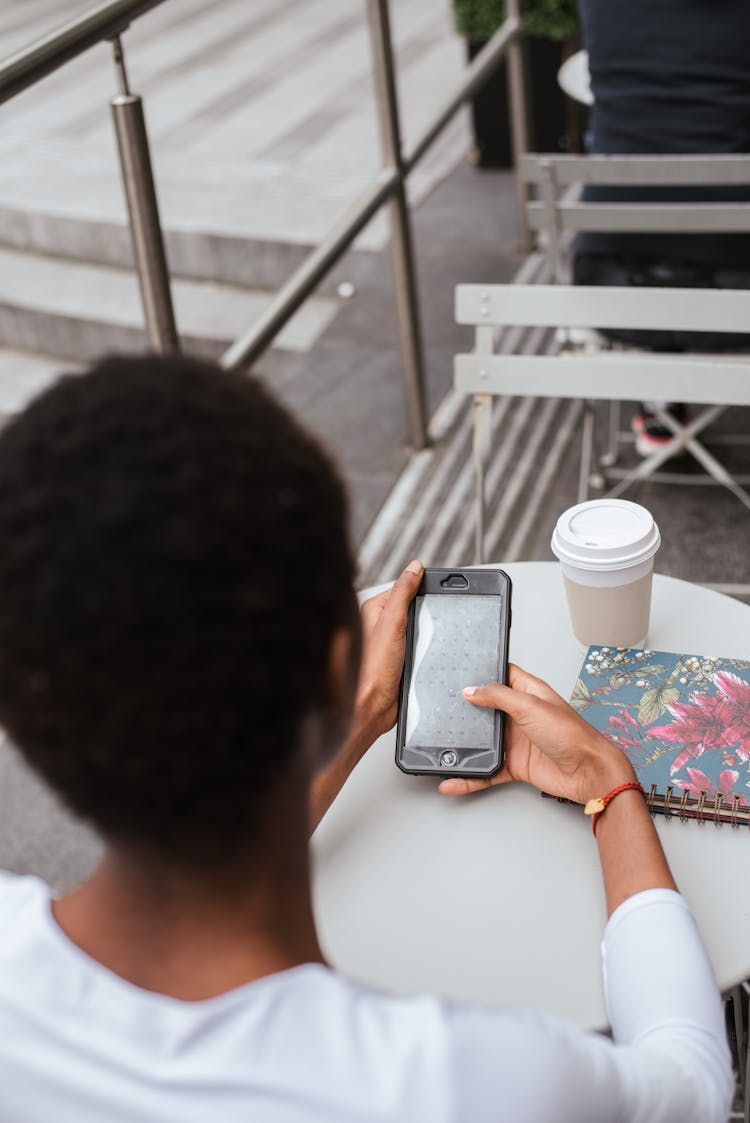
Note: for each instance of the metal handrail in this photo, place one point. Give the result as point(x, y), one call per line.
point(26, 67)
point(477, 73)
point(32, 64)
point(252, 343)
point(310, 273)
point(109, 20)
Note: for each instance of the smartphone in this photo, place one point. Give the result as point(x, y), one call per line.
point(456, 636)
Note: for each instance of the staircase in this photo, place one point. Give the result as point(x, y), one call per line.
point(263, 131)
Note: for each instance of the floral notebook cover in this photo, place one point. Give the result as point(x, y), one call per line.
point(682, 720)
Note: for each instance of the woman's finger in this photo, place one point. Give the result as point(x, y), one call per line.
point(458, 786)
point(403, 590)
point(395, 598)
point(496, 696)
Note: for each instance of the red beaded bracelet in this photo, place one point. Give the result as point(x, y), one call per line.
point(597, 806)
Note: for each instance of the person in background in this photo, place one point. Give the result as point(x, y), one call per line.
point(668, 76)
point(182, 660)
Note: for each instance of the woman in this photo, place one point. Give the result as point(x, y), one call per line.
point(180, 660)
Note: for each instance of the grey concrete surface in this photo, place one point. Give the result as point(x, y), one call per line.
point(263, 131)
point(254, 162)
point(79, 309)
point(261, 117)
point(349, 387)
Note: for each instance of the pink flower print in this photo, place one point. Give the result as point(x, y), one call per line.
point(628, 719)
point(699, 782)
point(625, 732)
point(737, 695)
point(699, 725)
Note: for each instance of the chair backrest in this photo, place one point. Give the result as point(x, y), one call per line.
point(615, 375)
point(558, 210)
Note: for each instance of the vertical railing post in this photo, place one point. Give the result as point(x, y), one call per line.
point(519, 119)
point(143, 211)
point(407, 300)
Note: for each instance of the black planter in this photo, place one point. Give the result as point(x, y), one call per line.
point(556, 123)
point(489, 112)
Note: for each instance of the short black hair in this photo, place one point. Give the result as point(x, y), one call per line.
point(174, 561)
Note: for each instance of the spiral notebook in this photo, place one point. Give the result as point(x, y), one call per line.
point(683, 721)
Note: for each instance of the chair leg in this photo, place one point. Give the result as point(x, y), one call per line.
point(739, 996)
point(745, 1076)
point(704, 457)
point(482, 435)
point(737, 1014)
point(611, 456)
point(587, 448)
point(740, 1029)
point(683, 436)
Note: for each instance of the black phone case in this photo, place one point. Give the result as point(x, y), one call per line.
point(482, 582)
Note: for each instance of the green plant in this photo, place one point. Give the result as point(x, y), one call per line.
point(550, 19)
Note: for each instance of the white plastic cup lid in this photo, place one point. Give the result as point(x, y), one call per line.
point(605, 534)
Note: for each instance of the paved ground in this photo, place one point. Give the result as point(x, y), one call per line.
point(349, 385)
point(261, 115)
point(263, 132)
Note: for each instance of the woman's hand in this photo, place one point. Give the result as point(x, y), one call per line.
point(383, 644)
point(376, 703)
point(547, 743)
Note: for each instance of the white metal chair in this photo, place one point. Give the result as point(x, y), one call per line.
point(605, 375)
point(557, 213)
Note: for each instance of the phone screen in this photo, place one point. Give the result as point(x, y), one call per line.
point(456, 644)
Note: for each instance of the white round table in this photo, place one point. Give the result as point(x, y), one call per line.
point(574, 78)
point(497, 898)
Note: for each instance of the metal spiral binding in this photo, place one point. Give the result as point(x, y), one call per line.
point(651, 797)
point(667, 798)
point(717, 810)
point(735, 808)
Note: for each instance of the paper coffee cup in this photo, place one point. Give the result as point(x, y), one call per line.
point(606, 549)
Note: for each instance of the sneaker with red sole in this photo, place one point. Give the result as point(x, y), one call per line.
point(650, 434)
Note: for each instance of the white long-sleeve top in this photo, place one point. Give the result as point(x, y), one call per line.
point(78, 1044)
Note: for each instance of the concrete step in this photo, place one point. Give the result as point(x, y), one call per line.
point(262, 125)
point(78, 311)
point(193, 254)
